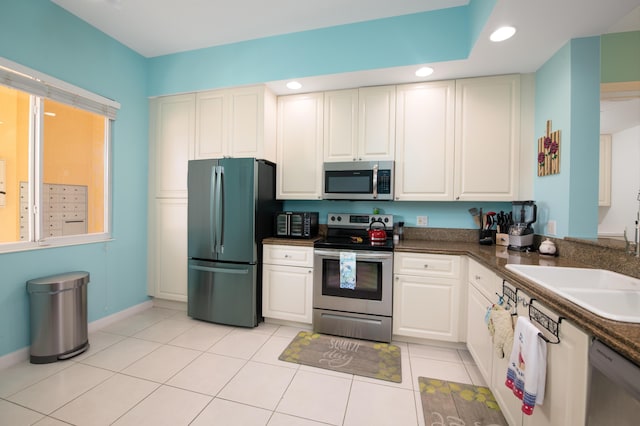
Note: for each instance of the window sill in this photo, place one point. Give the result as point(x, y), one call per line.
point(73, 240)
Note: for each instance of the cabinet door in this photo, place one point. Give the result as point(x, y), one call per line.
point(212, 114)
point(168, 245)
point(424, 141)
point(299, 147)
point(604, 188)
point(426, 307)
point(376, 123)
point(479, 341)
point(565, 396)
point(341, 125)
point(171, 146)
point(287, 293)
point(252, 123)
point(487, 134)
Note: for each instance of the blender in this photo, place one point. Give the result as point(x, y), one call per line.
point(521, 232)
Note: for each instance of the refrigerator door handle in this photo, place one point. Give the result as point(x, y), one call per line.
point(218, 209)
point(224, 270)
point(221, 210)
point(212, 211)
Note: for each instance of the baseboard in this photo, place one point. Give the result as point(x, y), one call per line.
point(170, 304)
point(110, 319)
point(23, 354)
point(14, 358)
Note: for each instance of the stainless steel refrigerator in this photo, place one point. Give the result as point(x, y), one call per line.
point(231, 208)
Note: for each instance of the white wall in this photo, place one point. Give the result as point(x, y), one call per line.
point(625, 185)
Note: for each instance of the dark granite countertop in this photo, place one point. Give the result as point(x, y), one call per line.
point(620, 336)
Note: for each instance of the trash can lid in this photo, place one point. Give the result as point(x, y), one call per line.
point(58, 282)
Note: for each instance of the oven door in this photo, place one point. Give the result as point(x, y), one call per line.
point(372, 292)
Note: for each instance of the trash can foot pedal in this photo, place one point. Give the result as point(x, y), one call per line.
point(53, 358)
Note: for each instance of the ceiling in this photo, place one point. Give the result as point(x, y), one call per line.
point(160, 27)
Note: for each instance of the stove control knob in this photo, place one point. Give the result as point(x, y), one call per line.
point(386, 220)
point(332, 219)
point(339, 218)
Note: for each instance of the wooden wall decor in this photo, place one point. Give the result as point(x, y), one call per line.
point(549, 152)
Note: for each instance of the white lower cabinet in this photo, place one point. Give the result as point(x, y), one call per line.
point(565, 398)
point(168, 250)
point(567, 362)
point(427, 295)
point(287, 283)
point(483, 286)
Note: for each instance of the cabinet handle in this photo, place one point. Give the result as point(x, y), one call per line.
point(478, 277)
point(286, 256)
point(426, 265)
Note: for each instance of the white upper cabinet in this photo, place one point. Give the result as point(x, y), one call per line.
point(359, 124)
point(604, 189)
point(487, 135)
point(341, 125)
point(236, 122)
point(171, 146)
point(424, 167)
point(376, 123)
point(299, 147)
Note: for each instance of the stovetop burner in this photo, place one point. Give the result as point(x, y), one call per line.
point(347, 231)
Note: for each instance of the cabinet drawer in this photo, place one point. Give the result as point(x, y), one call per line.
point(428, 265)
point(484, 280)
point(288, 255)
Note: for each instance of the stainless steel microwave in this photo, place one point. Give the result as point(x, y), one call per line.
point(358, 180)
point(296, 224)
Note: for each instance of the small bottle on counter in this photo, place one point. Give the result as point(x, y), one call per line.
point(401, 231)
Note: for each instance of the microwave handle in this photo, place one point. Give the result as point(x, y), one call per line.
point(375, 181)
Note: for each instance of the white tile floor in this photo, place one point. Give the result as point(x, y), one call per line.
point(160, 367)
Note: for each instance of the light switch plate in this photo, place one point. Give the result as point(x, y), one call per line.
point(551, 227)
point(422, 221)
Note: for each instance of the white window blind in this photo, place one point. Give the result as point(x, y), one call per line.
point(22, 78)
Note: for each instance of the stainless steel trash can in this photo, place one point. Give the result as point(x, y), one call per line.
point(58, 314)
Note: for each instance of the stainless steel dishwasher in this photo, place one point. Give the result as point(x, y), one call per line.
point(614, 392)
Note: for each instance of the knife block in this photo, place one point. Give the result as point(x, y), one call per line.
point(502, 239)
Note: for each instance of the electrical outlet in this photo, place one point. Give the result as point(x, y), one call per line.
point(551, 227)
point(422, 220)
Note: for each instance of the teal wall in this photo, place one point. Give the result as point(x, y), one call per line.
point(441, 35)
point(44, 37)
point(568, 93)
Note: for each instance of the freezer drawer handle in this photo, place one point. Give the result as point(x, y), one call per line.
point(225, 270)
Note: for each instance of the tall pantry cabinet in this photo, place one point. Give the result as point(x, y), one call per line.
point(171, 146)
point(237, 122)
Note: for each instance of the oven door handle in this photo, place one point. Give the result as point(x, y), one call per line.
point(359, 254)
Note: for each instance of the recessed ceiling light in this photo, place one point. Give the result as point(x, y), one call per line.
point(294, 85)
point(424, 72)
point(502, 34)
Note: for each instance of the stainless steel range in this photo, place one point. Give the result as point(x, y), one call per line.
point(352, 282)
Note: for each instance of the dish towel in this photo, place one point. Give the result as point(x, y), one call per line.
point(527, 365)
point(348, 270)
point(500, 327)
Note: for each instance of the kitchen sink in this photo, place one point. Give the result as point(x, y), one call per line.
point(605, 293)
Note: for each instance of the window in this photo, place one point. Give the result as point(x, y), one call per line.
point(54, 161)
